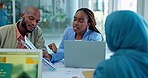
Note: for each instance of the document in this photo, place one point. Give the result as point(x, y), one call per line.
point(64, 73)
point(27, 43)
point(46, 65)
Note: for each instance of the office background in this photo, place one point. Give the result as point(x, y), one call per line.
point(58, 14)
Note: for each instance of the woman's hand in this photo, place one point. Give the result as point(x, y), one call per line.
point(53, 47)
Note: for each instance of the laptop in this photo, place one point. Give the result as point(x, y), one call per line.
point(83, 54)
point(20, 63)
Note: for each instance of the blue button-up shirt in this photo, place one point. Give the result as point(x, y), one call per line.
point(69, 34)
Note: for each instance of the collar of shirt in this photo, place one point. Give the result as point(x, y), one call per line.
point(18, 35)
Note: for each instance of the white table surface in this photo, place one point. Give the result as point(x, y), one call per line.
point(63, 72)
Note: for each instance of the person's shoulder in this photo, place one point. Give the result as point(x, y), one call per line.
point(6, 27)
point(106, 69)
point(95, 34)
point(38, 29)
point(106, 64)
point(114, 60)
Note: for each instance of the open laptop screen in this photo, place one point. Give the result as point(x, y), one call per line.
point(20, 63)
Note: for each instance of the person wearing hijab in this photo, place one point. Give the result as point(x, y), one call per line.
point(126, 36)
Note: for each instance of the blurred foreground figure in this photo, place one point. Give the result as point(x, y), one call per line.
point(126, 36)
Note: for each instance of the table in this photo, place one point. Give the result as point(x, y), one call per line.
point(64, 72)
point(67, 72)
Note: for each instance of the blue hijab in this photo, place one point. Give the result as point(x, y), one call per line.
point(126, 36)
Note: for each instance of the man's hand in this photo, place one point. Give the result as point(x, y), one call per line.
point(53, 47)
point(47, 55)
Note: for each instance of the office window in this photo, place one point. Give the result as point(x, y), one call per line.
point(102, 8)
point(55, 16)
point(127, 5)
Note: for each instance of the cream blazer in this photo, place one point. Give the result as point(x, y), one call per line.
point(8, 37)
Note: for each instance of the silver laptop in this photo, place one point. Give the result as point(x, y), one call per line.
point(83, 54)
point(20, 63)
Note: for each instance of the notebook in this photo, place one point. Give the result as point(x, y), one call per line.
point(83, 54)
point(20, 63)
